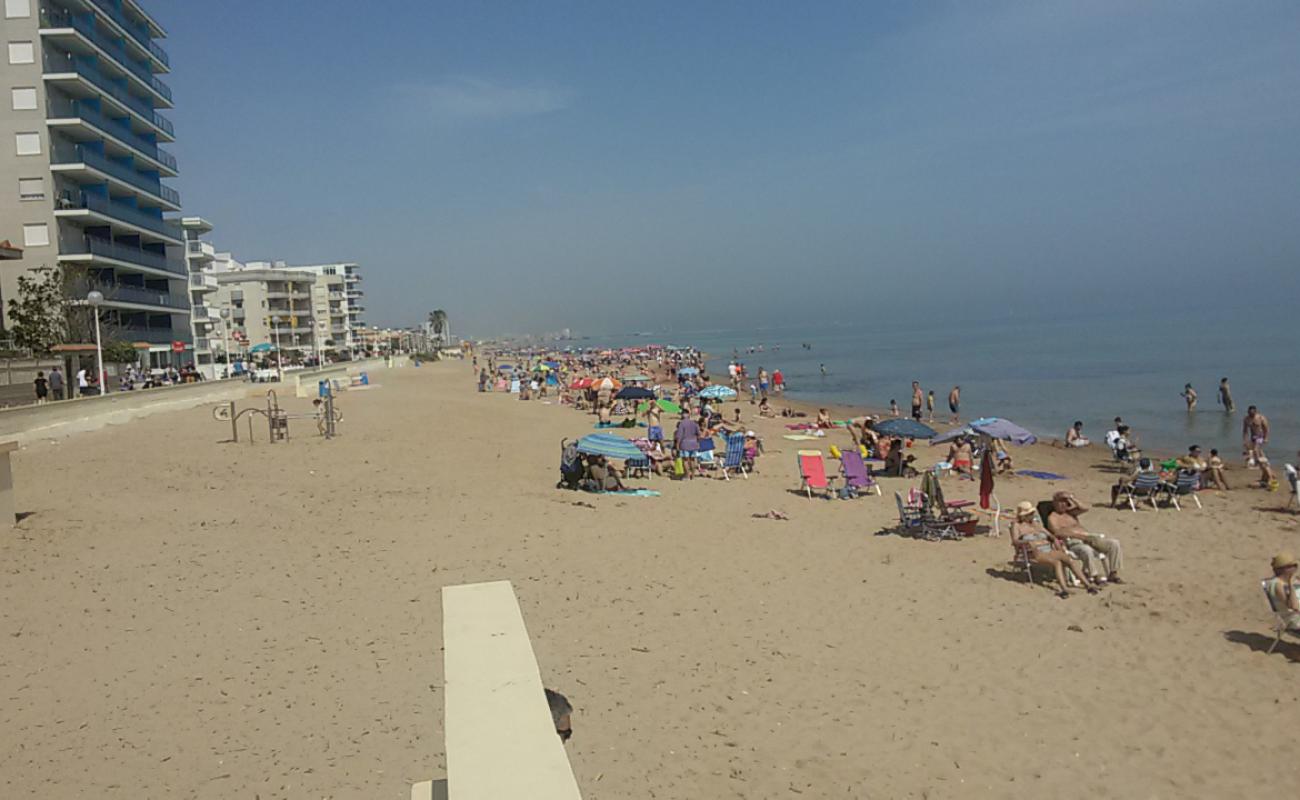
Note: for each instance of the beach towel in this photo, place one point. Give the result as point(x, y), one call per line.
point(1042, 476)
point(637, 493)
point(799, 437)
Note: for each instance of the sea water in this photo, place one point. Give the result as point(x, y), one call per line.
point(1042, 375)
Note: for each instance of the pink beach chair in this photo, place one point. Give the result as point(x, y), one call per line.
point(812, 471)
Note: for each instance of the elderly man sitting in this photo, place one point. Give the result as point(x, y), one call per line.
point(1063, 522)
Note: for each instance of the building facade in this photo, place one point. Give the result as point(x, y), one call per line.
point(82, 164)
point(336, 303)
point(268, 306)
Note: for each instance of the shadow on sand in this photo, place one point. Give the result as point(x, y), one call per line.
point(1260, 643)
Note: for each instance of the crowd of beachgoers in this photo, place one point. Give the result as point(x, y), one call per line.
point(681, 427)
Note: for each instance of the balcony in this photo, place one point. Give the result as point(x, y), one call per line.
point(56, 23)
point(131, 333)
point(80, 157)
point(86, 205)
point(200, 251)
point(136, 33)
point(98, 250)
point(120, 295)
point(200, 282)
point(58, 67)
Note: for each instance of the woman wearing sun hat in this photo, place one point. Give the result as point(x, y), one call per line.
point(1282, 590)
point(1044, 549)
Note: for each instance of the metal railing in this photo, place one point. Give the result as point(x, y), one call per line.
point(124, 293)
point(59, 108)
point(150, 335)
point(60, 18)
point(132, 255)
point(58, 62)
point(138, 32)
point(85, 155)
point(120, 211)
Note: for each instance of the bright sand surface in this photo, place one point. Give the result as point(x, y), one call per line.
point(186, 618)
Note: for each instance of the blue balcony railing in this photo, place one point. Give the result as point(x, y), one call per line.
point(60, 18)
point(57, 62)
point(120, 211)
point(131, 333)
point(59, 108)
point(124, 293)
point(140, 33)
point(80, 154)
point(132, 255)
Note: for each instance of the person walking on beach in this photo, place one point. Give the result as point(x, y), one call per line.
point(42, 388)
point(918, 397)
point(686, 442)
point(56, 383)
point(929, 405)
point(762, 383)
point(778, 381)
point(1254, 434)
point(1225, 396)
point(954, 404)
point(1189, 395)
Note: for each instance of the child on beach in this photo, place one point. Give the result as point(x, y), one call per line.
point(893, 407)
point(1213, 474)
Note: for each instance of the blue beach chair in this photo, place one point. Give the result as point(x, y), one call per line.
point(735, 458)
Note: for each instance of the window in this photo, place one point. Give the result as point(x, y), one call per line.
point(31, 188)
point(17, 9)
point(29, 144)
point(37, 235)
point(22, 53)
point(24, 98)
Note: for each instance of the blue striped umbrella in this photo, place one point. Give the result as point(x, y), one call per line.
point(718, 392)
point(608, 445)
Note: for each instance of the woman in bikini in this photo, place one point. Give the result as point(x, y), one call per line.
point(960, 457)
point(1042, 548)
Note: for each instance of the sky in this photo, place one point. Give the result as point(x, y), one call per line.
point(665, 166)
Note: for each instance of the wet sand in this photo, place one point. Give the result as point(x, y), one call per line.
point(189, 618)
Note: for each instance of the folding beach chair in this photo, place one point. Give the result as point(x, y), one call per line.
point(812, 473)
point(856, 473)
point(1188, 484)
point(1146, 485)
point(735, 458)
point(1279, 617)
point(910, 516)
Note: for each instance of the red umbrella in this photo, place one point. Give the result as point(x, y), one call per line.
point(986, 477)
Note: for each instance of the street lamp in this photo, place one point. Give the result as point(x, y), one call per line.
point(95, 299)
point(225, 336)
point(279, 358)
point(321, 335)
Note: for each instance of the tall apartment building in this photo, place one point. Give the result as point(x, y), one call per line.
point(268, 305)
point(81, 168)
point(337, 303)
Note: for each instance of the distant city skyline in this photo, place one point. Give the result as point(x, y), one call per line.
point(532, 168)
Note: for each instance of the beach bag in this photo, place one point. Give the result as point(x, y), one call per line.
point(679, 466)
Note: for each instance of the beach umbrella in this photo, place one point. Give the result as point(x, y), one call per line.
point(551, 364)
point(607, 383)
point(581, 383)
point(986, 478)
point(637, 377)
point(264, 347)
point(688, 371)
point(664, 405)
point(905, 428)
point(955, 433)
point(608, 445)
point(718, 392)
point(1000, 428)
point(634, 393)
point(504, 367)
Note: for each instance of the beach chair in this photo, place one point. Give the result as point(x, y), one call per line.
point(735, 458)
point(1146, 485)
point(1293, 479)
point(1187, 484)
point(1279, 617)
point(856, 473)
point(812, 473)
point(910, 516)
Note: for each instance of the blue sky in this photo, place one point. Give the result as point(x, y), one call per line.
point(619, 166)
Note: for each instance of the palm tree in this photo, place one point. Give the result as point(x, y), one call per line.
point(438, 324)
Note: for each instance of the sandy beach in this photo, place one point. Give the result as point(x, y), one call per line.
point(186, 617)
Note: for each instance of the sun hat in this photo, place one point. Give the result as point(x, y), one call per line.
point(1283, 560)
point(1024, 507)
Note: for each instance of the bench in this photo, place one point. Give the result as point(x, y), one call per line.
point(500, 738)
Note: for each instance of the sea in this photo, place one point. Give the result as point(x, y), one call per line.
point(1040, 374)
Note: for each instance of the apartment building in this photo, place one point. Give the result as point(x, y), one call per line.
point(82, 166)
point(336, 303)
point(268, 305)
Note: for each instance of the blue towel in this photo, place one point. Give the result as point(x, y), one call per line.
point(637, 492)
point(1042, 476)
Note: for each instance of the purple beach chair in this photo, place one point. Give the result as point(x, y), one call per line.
point(856, 474)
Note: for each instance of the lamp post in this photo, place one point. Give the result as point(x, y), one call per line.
point(279, 358)
point(225, 337)
point(95, 299)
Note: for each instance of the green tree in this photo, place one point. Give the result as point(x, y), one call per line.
point(38, 318)
point(120, 352)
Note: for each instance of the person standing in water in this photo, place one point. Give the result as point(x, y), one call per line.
point(954, 403)
point(1225, 396)
point(929, 405)
point(1189, 394)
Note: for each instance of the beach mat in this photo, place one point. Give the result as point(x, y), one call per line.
point(637, 493)
point(799, 437)
point(1042, 476)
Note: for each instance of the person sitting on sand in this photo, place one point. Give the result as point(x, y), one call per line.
point(1002, 455)
point(1281, 590)
point(1063, 523)
point(823, 418)
point(863, 435)
point(1143, 467)
point(604, 474)
point(1043, 548)
point(1074, 436)
point(961, 457)
point(1121, 442)
point(895, 464)
point(1213, 477)
point(765, 410)
point(657, 457)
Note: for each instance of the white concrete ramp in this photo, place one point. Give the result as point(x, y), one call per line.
point(500, 739)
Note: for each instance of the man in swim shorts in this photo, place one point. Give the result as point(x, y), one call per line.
point(954, 403)
point(1254, 435)
point(917, 399)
